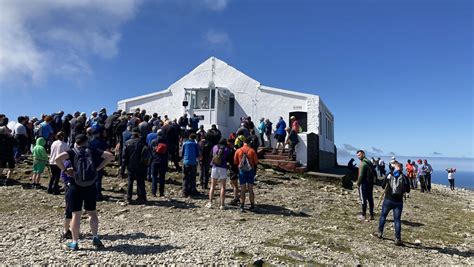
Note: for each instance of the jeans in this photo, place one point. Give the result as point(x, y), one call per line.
point(428, 181)
point(262, 141)
point(158, 173)
point(366, 193)
point(204, 173)
point(414, 183)
point(189, 180)
point(397, 208)
point(139, 176)
point(451, 183)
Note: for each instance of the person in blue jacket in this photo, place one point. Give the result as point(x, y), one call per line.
point(280, 135)
point(190, 158)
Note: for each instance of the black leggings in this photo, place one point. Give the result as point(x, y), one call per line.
point(451, 183)
point(54, 181)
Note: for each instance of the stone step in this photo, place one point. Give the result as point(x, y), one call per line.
point(287, 165)
point(275, 156)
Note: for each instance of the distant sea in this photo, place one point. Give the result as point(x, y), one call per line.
point(464, 176)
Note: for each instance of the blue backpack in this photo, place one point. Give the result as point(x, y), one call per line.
point(85, 172)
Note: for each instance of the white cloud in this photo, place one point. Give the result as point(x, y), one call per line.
point(216, 4)
point(40, 38)
point(220, 39)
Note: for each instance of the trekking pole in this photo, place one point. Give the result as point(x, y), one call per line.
point(380, 200)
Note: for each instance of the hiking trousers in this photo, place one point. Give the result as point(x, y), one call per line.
point(204, 173)
point(158, 173)
point(139, 176)
point(189, 180)
point(397, 207)
point(428, 181)
point(53, 186)
point(366, 193)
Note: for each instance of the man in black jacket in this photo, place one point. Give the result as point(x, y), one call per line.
point(395, 185)
point(134, 159)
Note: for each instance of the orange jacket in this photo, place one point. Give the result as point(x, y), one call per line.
point(251, 154)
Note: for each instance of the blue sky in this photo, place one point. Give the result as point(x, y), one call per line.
point(397, 75)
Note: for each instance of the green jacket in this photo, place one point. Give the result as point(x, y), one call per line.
point(363, 171)
point(39, 153)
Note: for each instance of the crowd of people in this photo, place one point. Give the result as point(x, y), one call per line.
point(397, 184)
point(76, 148)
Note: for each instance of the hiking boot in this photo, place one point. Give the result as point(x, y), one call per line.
point(241, 208)
point(209, 205)
point(234, 202)
point(67, 235)
point(361, 217)
point(222, 207)
point(72, 246)
point(398, 242)
point(372, 217)
point(97, 243)
point(378, 234)
point(252, 207)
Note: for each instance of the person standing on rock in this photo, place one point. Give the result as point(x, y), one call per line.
point(40, 158)
point(451, 172)
point(136, 158)
point(395, 185)
point(86, 162)
point(422, 170)
point(190, 157)
point(246, 160)
point(59, 146)
point(365, 183)
point(7, 159)
point(429, 171)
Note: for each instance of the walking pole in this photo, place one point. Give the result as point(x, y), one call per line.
point(380, 200)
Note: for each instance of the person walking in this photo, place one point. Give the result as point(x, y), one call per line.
point(85, 164)
point(280, 136)
point(395, 185)
point(365, 183)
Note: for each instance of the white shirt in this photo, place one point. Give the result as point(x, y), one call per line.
point(20, 129)
point(57, 148)
point(450, 175)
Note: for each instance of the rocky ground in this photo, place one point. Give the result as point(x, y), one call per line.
point(298, 220)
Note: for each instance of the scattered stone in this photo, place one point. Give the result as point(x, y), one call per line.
point(417, 242)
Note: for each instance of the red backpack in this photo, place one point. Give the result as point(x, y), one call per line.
point(161, 148)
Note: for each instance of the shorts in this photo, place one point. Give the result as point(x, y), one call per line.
point(246, 177)
point(280, 138)
point(38, 167)
point(77, 195)
point(219, 173)
point(7, 162)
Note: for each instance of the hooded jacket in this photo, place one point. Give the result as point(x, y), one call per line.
point(39, 153)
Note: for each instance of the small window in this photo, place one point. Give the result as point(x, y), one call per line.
point(231, 107)
point(329, 129)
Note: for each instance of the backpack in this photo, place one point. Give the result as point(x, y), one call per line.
point(371, 174)
point(85, 173)
point(397, 184)
point(244, 164)
point(161, 148)
point(219, 156)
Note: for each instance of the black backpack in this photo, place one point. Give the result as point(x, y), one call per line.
point(85, 172)
point(371, 173)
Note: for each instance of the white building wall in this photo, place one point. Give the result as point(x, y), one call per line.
point(325, 143)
